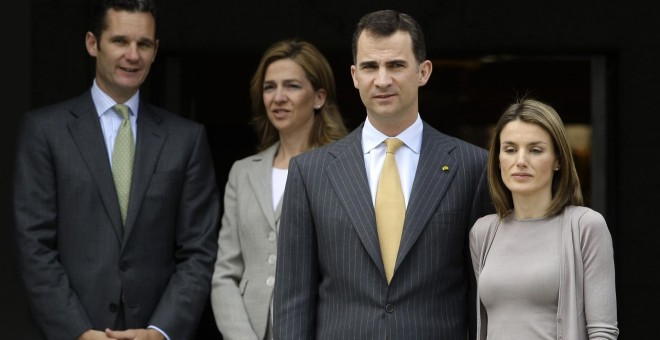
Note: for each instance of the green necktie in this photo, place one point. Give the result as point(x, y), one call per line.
point(390, 208)
point(122, 159)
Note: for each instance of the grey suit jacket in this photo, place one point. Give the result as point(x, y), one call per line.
point(330, 278)
point(78, 263)
point(244, 273)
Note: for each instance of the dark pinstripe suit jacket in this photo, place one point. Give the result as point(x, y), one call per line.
point(330, 278)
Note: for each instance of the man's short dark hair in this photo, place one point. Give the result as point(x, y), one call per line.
point(385, 23)
point(101, 7)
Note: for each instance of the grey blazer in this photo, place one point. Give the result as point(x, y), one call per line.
point(330, 278)
point(244, 272)
point(78, 263)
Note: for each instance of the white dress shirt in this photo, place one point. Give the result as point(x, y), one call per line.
point(407, 156)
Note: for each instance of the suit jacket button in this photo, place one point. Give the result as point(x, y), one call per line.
point(113, 307)
point(123, 266)
point(389, 308)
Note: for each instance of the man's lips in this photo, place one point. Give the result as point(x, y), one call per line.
point(129, 69)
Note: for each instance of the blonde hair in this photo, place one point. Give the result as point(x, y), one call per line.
point(328, 122)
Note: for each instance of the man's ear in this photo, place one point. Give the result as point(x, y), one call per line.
point(91, 43)
point(353, 70)
point(155, 50)
point(425, 69)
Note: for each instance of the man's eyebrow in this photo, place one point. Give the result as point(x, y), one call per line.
point(396, 61)
point(368, 63)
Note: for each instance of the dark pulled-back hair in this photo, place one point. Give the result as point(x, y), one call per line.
point(385, 23)
point(99, 22)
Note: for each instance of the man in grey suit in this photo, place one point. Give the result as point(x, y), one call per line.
point(331, 279)
point(94, 265)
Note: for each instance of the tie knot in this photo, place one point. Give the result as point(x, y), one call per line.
point(393, 144)
point(122, 110)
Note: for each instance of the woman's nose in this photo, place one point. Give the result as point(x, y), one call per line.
point(280, 97)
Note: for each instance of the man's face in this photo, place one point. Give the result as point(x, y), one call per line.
point(388, 77)
point(124, 52)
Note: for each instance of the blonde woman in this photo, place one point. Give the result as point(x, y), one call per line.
point(294, 110)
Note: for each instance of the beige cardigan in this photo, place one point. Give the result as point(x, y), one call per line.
point(587, 297)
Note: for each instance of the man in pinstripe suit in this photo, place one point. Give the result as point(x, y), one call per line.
point(331, 282)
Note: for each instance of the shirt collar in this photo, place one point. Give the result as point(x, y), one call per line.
point(103, 102)
point(411, 136)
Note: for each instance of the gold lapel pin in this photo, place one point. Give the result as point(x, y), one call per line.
point(445, 168)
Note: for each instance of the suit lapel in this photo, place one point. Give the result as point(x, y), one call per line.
point(349, 178)
point(260, 181)
point(150, 140)
point(86, 133)
point(435, 171)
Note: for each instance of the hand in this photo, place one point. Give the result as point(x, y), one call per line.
point(92, 335)
point(135, 334)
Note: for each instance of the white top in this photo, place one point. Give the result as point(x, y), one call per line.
point(278, 180)
point(406, 157)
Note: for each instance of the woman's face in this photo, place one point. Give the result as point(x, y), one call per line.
point(289, 97)
point(527, 159)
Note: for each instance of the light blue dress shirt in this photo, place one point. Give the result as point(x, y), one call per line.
point(110, 120)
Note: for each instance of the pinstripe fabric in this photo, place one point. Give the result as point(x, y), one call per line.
point(330, 278)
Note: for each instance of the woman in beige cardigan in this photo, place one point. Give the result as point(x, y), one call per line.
point(544, 263)
point(294, 109)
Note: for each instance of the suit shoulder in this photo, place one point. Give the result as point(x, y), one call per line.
point(172, 119)
point(254, 159)
point(460, 145)
point(468, 147)
point(53, 111)
point(316, 154)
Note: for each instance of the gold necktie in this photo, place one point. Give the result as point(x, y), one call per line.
point(390, 208)
point(122, 159)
